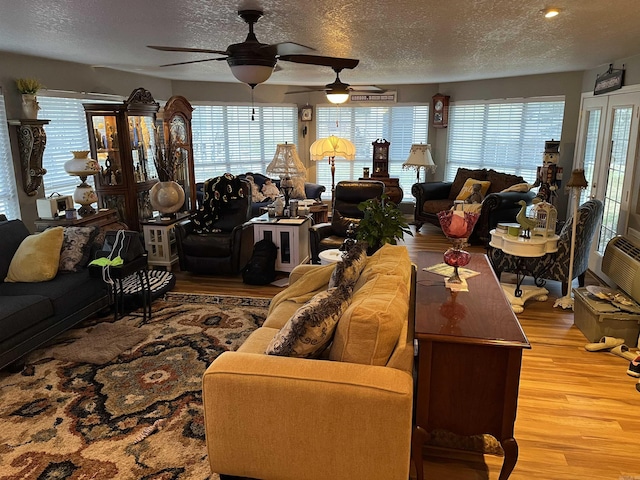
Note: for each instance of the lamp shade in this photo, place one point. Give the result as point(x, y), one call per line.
point(251, 74)
point(286, 162)
point(577, 179)
point(420, 157)
point(332, 146)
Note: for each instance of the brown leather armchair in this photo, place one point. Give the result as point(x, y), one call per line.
point(217, 239)
point(347, 196)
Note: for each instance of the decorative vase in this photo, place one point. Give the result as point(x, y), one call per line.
point(30, 106)
point(167, 197)
point(457, 226)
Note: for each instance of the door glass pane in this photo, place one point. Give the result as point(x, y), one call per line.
point(590, 149)
point(620, 131)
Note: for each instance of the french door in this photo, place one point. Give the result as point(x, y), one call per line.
point(607, 142)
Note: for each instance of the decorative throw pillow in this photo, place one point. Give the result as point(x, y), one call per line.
point(311, 327)
point(348, 270)
point(37, 257)
point(518, 187)
point(298, 192)
point(467, 188)
point(76, 248)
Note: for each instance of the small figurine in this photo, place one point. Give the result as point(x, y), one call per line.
point(269, 190)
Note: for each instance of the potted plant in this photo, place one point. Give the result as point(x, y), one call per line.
point(382, 223)
point(29, 87)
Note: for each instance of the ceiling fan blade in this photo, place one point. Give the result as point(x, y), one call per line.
point(319, 89)
point(366, 89)
point(333, 62)
point(186, 49)
point(290, 48)
point(193, 61)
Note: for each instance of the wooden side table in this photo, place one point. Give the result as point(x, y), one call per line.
point(160, 240)
point(320, 212)
point(469, 357)
point(290, 235)
point(104, 219)
point(391, 188)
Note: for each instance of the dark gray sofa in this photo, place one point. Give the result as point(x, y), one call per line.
point(33, 313)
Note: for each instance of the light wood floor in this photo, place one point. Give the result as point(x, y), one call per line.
point(578, 414)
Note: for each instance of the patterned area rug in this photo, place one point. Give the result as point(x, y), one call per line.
point(138, 416)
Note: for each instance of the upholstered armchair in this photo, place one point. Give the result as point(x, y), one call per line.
point(216, 239)
point(498, 205)
point(347, 196)
point(555, 266)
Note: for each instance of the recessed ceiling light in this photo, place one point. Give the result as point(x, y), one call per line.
point(550, 12)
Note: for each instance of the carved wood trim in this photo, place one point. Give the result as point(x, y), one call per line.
point(32, 140)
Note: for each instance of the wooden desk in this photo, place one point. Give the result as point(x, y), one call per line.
point(469, 357)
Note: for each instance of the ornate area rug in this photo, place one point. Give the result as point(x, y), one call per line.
point(138, 416)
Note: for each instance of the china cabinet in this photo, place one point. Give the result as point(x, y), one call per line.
point(123, 138)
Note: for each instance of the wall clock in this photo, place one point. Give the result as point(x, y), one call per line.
point(306, 113)
point(440, 110)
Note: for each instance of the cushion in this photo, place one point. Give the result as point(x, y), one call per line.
point(435, 206)
point(467, 188)
point(76, 248)
point(368, 330)
point(37, 257)
point(298, 192)
point(340, 224)
point(388, 260)
point(518, 187)
point(470, 207)
point(311, 327)
point(348, 270)
point(500, 181)
point(461, 177)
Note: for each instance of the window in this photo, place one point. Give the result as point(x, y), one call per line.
point(399, 125)
point(8, 191)
point(66, 131)
point(506, 136)
point(225, 139)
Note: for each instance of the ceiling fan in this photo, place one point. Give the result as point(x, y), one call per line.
point(338, 91)
point(252, 62)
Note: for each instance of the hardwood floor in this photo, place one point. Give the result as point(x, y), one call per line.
point(578, 413)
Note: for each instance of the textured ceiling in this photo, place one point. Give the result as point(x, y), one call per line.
point(397, 42)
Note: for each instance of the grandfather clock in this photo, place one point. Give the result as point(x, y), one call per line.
point(381, 171)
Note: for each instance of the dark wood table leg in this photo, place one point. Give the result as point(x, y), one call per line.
point(510, 447)
point(418, 439)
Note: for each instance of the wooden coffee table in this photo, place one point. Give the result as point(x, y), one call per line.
point(469, 356)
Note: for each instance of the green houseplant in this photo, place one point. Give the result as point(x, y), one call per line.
point(382, 223)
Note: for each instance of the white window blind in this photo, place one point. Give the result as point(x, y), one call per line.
point(66, 131)
point(8, 190)
point(506, 136)
point(225, 139)
point(399, 125)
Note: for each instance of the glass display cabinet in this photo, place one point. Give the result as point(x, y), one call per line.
point(174, 122)
point(123, 138)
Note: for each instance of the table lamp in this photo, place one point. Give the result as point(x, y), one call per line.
point(287, 165)
point(332, 147)
point(420, 157)
point(82, 166)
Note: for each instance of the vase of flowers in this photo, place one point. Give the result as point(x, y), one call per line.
point(167, 196)
point(29, 88)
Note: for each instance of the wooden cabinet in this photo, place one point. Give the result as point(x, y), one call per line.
point(123, 138)
point(290, 235)
point(160, 240)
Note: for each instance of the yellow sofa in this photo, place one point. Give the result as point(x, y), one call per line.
point(346, 416)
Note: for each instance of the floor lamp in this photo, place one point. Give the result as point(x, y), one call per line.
point(332, 147)
point(576, 184)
